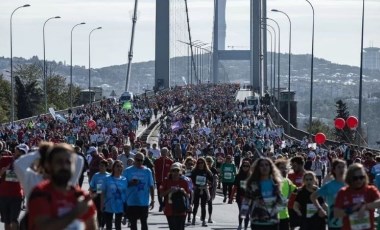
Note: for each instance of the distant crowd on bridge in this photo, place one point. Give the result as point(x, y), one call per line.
point(208, 143)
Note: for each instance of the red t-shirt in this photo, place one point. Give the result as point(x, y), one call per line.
point(168, 183)
point(348, 197)
point(45, 200)
point(9, 184)
point(296, 178)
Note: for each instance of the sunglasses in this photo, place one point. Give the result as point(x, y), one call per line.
point(175, 170)
point(245, 166)
point(139, 160)
point(356, 178)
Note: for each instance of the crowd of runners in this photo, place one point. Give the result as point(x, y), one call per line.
point(208, 143)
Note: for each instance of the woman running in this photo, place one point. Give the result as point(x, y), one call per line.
point(239, 188)
point(311, 217)
point(356, 202)
point(329, 191)
point(263, 195)
point(201, 177)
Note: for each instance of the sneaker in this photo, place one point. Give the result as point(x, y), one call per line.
point(204, 224)
point(210, 221)
point(124, 221)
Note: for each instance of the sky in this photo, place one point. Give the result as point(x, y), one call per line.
point(337, 28)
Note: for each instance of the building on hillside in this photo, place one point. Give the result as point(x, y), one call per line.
point(371, 58)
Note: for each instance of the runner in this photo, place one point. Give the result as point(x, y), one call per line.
point(176, 191)
point(113, 196)
point(311, 217)
point(239, 188)
point(202, 178)
point(54, 204)
point(263, 195)
point(329, 192)
point(356, 202)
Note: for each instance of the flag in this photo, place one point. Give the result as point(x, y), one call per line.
point(60, 118)
point(176, 125)
point(127, 105)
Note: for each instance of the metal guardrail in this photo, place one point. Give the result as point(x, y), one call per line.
point(297, 134)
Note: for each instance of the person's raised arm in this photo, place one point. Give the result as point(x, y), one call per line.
point(23, 163)
point(78, 170)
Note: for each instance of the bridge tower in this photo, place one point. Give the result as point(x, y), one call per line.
point(258, 9)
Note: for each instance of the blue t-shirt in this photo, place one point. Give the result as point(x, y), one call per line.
point(267, 188)
point(138, 195)
point(114, 190)
point(97, 180)
point(377, 181)
point(329, 192)
point(375, 169)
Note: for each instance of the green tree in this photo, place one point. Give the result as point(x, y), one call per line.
point(29, 97)
point(346, 134)
point(5, 99)
point(317, 126)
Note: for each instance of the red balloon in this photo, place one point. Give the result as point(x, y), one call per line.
point(320, 138)
point(91, 124)
point(352, 122)
point(339, 123)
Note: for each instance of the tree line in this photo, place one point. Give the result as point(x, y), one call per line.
point(29, 91)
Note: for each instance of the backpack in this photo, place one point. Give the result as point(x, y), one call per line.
point(180, 203)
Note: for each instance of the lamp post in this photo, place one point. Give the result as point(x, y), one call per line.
point(311, 72)
point(361, 75)
point(274, 58)
point(12, 93)
point(45, 80)
point(71, 63)
point(278, 61)
point(89, 62)
point(290, 54)
point(271, 56)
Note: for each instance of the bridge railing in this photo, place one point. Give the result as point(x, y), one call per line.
point(298, 134)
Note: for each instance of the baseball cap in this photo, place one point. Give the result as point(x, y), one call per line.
point(91, 150)
point(176, 166)
point(23, 147)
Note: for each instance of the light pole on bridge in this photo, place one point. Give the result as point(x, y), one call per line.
point(290, 54)
point(278, 61)
point(311, 72)
point(12, 83)
point(361, 75)
point(71, 63)
point(45, 69)
point(89, 62)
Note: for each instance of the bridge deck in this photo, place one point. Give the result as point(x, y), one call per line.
point(242, 94)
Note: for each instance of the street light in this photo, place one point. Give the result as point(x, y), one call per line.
point(312, 73)
point(274, 58)
point(278, 61)
point(45, 80)
point(12, 96)
point(71, 63)
point(361, 75)
point(290, 54)
point(89, 62)
point(271, 56)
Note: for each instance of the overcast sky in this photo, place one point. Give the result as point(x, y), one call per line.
point(337, 31)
